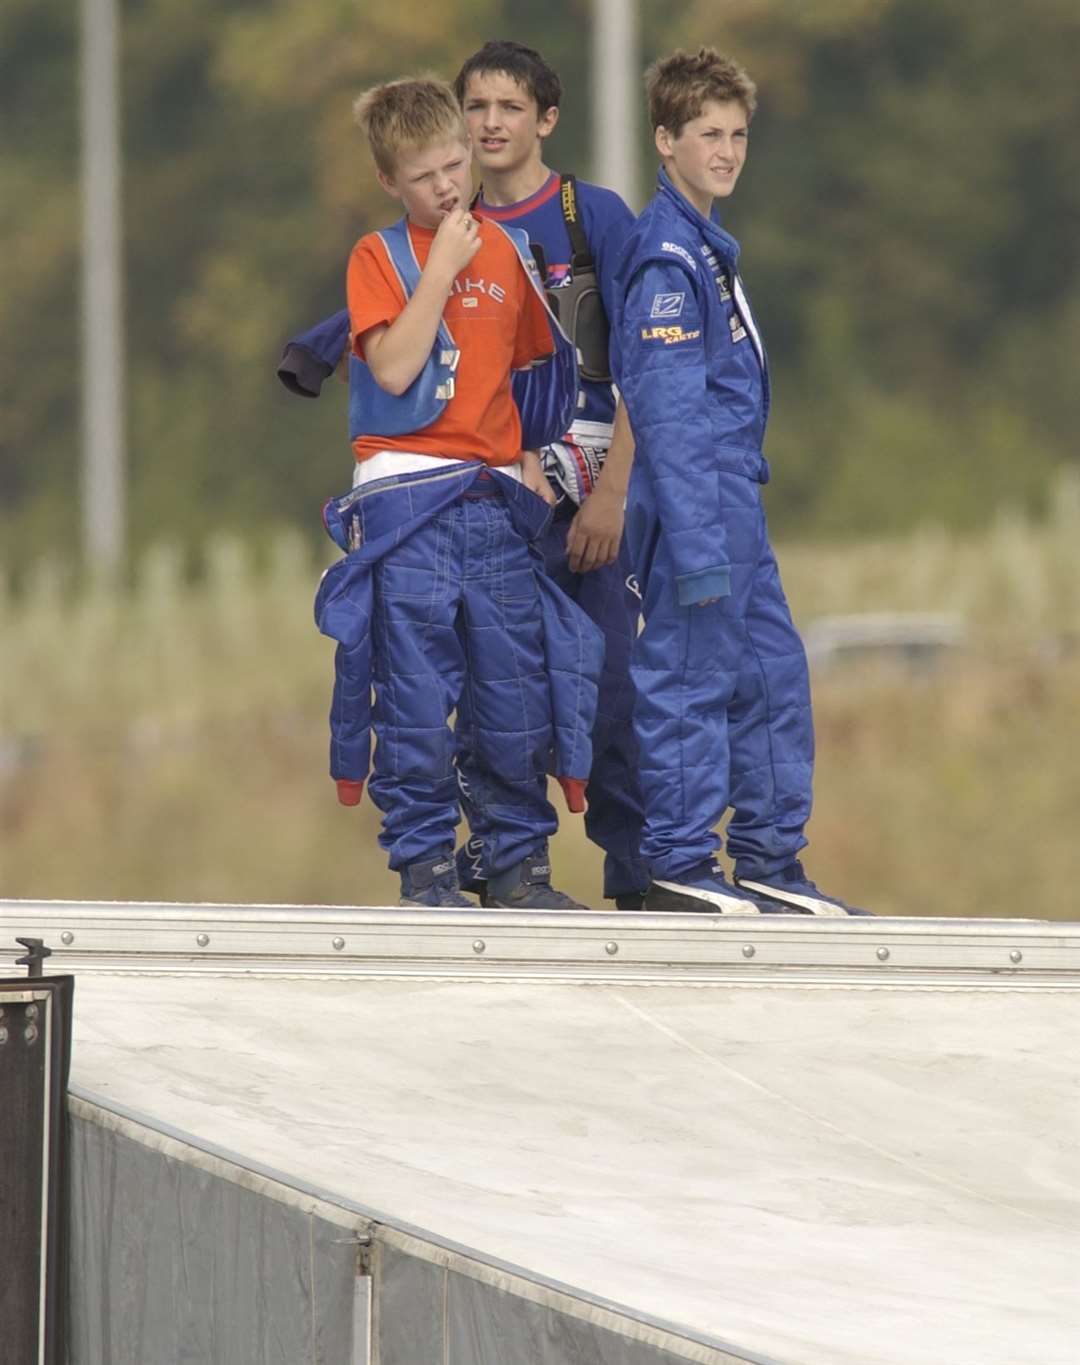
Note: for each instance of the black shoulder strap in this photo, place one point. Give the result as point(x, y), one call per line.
point(583, 259)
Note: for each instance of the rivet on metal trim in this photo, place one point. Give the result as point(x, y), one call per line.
point(67, 938)
point(883, 954)
point(1016, 955)
point(748, 950)
point(478, 945)
point(202, 940)
point(338, 943)
point(611, 948)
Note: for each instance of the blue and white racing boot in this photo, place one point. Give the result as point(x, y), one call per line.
point(792, 890)
point(704, 890)
point(433, 883)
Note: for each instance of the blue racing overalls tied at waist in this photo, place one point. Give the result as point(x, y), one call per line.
point(376, 518)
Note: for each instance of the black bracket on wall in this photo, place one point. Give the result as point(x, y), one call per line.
point(35, 1057)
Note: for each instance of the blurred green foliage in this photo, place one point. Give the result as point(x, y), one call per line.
point(909, 215)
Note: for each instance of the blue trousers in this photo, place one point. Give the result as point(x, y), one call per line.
point(457, 624)
point(614, 816)
point(722, 709)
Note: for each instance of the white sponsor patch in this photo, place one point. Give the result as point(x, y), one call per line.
point(681, 251)
point(667, 305)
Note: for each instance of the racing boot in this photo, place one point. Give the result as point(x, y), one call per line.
point(433, 883)
point(792, 890)
point(469, 859)
point(527, 886)
point(704, 890)
point(629, 900)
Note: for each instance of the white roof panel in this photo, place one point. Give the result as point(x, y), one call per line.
point(835, 1170)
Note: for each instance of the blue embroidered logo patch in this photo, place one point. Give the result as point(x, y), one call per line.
point(667, 305)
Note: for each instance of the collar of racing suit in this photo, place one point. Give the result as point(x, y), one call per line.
point(722, 242)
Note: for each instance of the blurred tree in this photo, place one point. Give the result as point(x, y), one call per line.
point(910, 211)
point(910, 214)
point(39, 326)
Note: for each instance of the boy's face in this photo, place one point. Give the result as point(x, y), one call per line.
point(432, 180)
point(504, 123)
point(705, 159)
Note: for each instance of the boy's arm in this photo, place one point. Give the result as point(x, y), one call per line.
point(596, 531)
point(313, 356)
point(396, 352)
point(607, 225)
point(663, 374)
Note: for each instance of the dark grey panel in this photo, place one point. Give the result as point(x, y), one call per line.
point(426, 1315)
point(171, 1263)
point(488, 1326)
point(409, 1309)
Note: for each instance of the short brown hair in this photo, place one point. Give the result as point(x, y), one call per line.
point(407, 115)
point(504, 57)
point(679, 86)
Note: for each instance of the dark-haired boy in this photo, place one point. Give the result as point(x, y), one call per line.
point(723, 698)
point(510, 98)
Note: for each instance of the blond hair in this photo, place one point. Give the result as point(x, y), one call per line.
point(678, 87)
point(407, 115)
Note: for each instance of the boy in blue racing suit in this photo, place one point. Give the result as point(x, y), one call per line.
point(510, 99)
point(723, 699)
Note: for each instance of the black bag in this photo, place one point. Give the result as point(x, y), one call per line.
point(579, 305)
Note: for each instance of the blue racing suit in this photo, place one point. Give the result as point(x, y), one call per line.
point(607, 595)
point(439, 603)
point(722, 710)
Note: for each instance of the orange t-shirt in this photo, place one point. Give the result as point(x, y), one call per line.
point(497, 323)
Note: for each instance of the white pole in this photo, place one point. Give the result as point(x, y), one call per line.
point(102, 296)
point(617, 96)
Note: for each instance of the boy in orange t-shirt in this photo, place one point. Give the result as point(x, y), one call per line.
point(457, 612)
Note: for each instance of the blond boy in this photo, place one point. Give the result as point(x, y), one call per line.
point(444, 505)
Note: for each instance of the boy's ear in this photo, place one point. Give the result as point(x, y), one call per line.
point(663, 141)
point(545, 124)
point(387, 182)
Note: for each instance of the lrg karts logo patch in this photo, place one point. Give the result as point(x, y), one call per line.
point(669, 336)
point(667, 305)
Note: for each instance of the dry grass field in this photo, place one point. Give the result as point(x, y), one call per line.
point(169, 743)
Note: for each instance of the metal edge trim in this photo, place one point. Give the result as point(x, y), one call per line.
point(588, 946)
